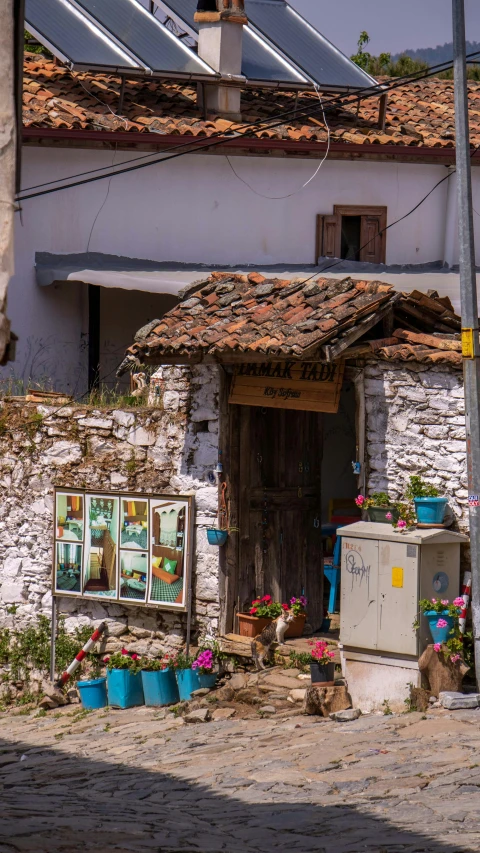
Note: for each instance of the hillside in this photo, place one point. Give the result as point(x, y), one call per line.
point(436, 55)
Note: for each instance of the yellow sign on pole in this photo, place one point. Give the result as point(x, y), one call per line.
point(468, 348)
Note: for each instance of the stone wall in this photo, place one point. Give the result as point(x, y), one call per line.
point(415, 424)
point(168, 447)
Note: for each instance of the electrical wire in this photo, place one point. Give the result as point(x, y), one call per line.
point(219, 138)
point(103, 203)
point(295, 192)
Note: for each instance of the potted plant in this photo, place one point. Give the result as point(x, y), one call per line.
point(429, 506)
point(379, 508)
point(262, 612)
point(204, 668)
point(442, 617)
point(297, 605)
point(124, 680)
point(322, 667)
point(187, 679)
point(159, 682)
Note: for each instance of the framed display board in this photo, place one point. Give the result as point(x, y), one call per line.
point(131, 548)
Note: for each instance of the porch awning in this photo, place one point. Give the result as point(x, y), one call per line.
point(172, 276)
point(116, 271)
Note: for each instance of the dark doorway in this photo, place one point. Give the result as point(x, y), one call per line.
point(351, 239)
point(280, 549)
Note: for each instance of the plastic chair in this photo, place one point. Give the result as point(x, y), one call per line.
point(332, 574)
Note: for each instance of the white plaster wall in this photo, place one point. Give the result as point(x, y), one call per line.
point(195, 209)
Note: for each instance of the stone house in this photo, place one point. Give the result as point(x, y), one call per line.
point(400, 410)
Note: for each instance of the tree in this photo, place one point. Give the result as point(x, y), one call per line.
point(382, 64)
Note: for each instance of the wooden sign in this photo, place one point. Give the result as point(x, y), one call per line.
point(308, 386)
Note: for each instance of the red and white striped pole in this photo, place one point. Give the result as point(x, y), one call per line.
point(81, 655)
point(465, 594)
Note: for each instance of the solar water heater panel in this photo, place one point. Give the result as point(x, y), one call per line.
point(71, 38)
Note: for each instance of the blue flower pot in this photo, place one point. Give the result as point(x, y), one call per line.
point(440, 635)
point(430, 510)
point(160, 687)
point(208, 680)
point(188, 681)
point(216, 537)
point(93, 693)
point(124, 689)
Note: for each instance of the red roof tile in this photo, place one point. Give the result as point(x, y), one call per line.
point(418, 114)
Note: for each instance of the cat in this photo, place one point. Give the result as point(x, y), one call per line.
point(275, 632)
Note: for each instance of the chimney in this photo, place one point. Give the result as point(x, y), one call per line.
point(220, 36)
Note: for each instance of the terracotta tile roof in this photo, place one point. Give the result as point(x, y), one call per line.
point(236, 317)
point(420, 114)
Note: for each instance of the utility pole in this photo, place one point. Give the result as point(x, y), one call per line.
point(468, 293)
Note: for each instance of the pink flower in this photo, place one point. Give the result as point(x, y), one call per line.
point(293, 601)
point(434, 600)
point(442, 623)
point(437, 647)
point(459, 602)
point(106, 659)
point(454, 658)
point(252, 611)
point(134, 657)
point(360, 500)
point(445, 601)
point(389, 516)
point(124, 652)
point(267, 598)
point(401, 524)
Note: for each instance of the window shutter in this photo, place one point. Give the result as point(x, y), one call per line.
point(372, 240)
point(328, 237)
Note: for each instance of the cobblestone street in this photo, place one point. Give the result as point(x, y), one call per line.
point(143, 780)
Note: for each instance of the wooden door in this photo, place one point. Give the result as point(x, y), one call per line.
point(280, 551)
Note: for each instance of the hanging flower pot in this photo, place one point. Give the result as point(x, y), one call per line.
point(216, 536)
point(441, 625)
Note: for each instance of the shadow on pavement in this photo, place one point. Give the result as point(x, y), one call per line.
point(56, 802)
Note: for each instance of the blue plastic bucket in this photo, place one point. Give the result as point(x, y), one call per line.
point(440, 635)
point(188, 681)
point(430, 510)
point(216, 537)
point(160, 688)
point(124, 689)
point(93, 693)
point(208, 680)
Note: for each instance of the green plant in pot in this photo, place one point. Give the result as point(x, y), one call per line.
point(159, 682)
point(322, 667)
point(124, 679)
point(260, 614)
point(430, 507)
point(380, 507)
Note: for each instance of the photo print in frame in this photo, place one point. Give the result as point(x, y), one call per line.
point(100, 566)
point(170, 552)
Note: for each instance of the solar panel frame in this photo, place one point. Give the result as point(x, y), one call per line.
point(147, 43)
point(55, 14)
point(255, 48)
point(263, 16)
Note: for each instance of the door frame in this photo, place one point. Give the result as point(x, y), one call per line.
point(229, 454)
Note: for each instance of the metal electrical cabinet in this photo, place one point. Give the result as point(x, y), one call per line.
point(384, 575)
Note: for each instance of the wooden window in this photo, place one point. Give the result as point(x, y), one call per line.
point(353, 232)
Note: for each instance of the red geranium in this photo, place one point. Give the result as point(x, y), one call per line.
point(252, 611)
point(267, 598)
point(285, 607)
point(134, 657)
point(124, 652)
